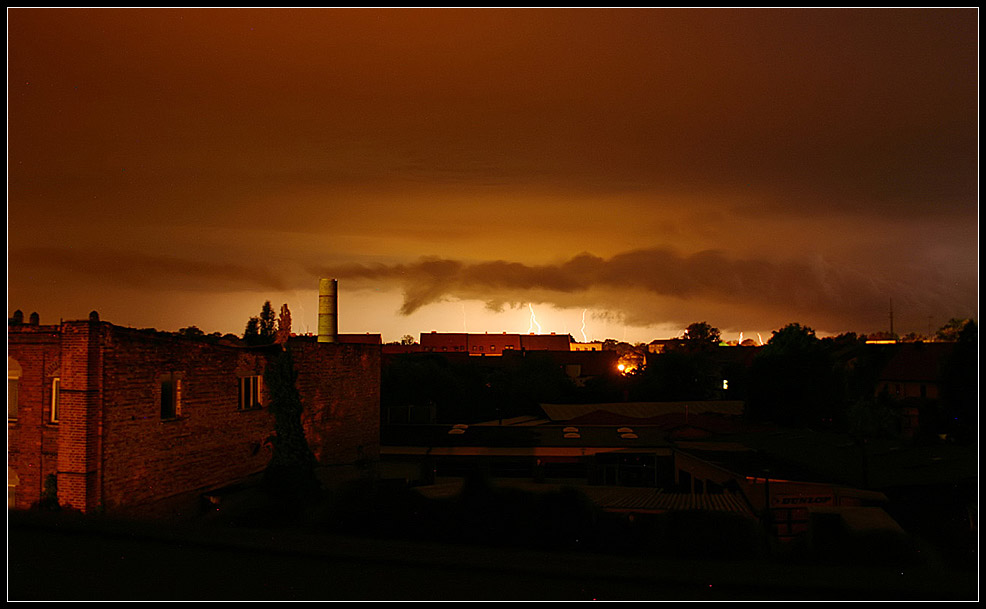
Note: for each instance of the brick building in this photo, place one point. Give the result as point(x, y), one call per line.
point(123, 417)
point(493, 344)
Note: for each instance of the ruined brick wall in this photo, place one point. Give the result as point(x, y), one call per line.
point(211, 441)
point(79, 421)
point(112, 448)
point(340, 389)
point(32, 437)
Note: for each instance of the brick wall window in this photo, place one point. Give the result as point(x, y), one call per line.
point(14, 372)
point(11, 397)
point(170, 396)
point(56, 390)
point(12, 482)
point(250, 392)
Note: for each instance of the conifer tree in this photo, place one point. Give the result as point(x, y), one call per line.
point(251, 334)
point(268, 328)
point(291, 471)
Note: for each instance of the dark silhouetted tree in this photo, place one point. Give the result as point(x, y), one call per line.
point(686, 370)
point(952, 330)
point(252, 332)
point(284, 325)
point(960, 386)
point(793, 380)
point(700, 336)
point(291, 471)
point(191, 331)
point(263, 330)
point(268, 324)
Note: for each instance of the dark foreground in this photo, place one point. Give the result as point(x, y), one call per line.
point(67, 557)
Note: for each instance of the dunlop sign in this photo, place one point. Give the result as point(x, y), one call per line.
point(799, 500)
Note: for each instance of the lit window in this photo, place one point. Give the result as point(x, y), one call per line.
point(12, 481)
point(56, 391)
point(170, 396)
point(250, 388)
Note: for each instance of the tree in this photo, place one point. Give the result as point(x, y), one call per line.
point(700, 336)
point(284, 325)
point(960, 385)
point(952, 331)
point(291, 471)
point(264, 330)
point(252, 332)
point(268, 324)
point(407, 339)
point(675, 375)
point(794, 380)
point(191, 331)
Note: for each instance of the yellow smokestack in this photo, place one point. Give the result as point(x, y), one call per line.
point(328, 307)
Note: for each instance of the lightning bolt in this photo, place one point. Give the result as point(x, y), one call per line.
point(761, 339)
point(741, 338)
point(534, 321)
point(583, 327)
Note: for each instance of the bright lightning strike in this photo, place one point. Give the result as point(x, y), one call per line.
point(584, 339)
point(761, 339)
point(534, 321)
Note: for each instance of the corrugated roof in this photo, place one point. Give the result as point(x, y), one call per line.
point(641, 410)
point(616, 498)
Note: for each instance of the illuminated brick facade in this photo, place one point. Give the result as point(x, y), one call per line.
point(493, 344)
point(144, 416)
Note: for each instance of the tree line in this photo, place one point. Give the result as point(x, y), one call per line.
point(795, 379)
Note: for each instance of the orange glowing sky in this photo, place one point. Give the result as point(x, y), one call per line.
point(453, 168)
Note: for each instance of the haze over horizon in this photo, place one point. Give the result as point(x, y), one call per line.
point(455, 169)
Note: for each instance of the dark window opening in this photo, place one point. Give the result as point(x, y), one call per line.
point(250, 388)
point(170, 396)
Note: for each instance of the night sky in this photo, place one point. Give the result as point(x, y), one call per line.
point(456, 170)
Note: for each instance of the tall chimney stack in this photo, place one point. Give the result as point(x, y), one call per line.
point(328, 306)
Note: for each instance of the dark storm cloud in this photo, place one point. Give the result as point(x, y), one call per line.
point(795, 288)
point(769, 141)
point(820, 110)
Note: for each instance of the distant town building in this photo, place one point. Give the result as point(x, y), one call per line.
point(661, 345)
point(493, 344)
point(593, 346)
point(915, 371)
